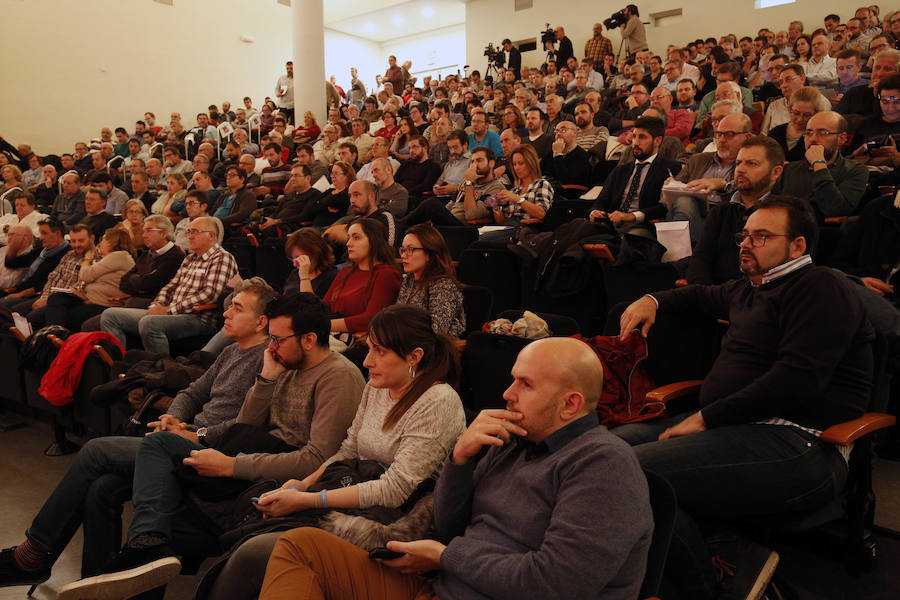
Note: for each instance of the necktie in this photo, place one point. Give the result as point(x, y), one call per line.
point(633, 188)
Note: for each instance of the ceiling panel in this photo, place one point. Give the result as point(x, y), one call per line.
point(384, 20)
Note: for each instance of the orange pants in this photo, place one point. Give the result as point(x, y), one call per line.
point(311, 564)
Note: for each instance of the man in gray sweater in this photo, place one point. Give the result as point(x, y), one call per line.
point(557, 508)
point(99, 481)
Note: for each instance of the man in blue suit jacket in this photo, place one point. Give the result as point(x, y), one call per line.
point(631, 193)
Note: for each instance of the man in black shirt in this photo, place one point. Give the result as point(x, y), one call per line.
point(565, 51)
point(97, 219)
point(515, 58)
point(791, 365)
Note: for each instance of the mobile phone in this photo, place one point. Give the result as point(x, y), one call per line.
point(384, 553)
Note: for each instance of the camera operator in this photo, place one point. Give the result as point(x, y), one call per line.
point(514, 63)
point(633, 31)
point(565, 47)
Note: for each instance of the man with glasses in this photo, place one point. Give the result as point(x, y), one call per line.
point(671, 76)
point(831, 183)
point(793, 77)
point(172, 315)
point(569, 163)
point(196, 204)
point(707, 174)
point(877, 135)
point(790, 366)
point(100, 479)
point(862, 100)
point(156, 263)
point(757, 166)
point(635, 103)
point(771, 71)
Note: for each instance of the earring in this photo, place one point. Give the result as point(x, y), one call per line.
point(412, 371)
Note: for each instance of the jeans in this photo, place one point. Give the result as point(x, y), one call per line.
point(157, 492)
point(91, 492)
point(217, 343)
point(431, 209)
point(690, 209)
point(155, 330)
point(733, 472)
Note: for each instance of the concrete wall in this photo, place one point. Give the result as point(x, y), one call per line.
point(493, 20)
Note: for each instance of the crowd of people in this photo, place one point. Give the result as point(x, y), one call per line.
point(761, 145)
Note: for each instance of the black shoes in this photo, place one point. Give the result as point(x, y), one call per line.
point(12, 574)
point(744, 568)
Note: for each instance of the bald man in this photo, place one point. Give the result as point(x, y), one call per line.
point(556, 508)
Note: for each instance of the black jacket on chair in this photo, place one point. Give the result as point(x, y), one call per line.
point(610, 199)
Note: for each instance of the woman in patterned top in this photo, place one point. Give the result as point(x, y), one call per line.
point(430, 280)
point(532, 194)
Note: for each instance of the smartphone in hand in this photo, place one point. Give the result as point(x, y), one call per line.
point(384, 553)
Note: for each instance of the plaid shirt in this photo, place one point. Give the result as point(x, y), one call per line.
point(199, 280)
point(65, 275)
point(596, 49)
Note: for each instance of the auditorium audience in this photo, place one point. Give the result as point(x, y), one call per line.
point(133, 223)
point(313, 260)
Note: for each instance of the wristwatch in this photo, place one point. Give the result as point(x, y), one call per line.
point(468, 182)
point(520, 201)
point(201, 435)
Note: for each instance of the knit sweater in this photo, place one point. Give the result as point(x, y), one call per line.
point(567, 518)
point(213, 400)
point(359, 301)
point(797, 348)
point(441, 299)
point(310, 409)
point(410, 451)
point(102, 277)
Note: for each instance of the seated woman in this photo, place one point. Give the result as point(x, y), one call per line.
point(532, 194)
point(390, 126)
point(408, 420)
point(309, 132)
point(430, 280)
point(400, 139)
point(314, 262)
point(802, 105)
point(34, 176)
point(171, 201)
point(98, 282)
point(134, 212)
point(369, 283)
point(330, 206)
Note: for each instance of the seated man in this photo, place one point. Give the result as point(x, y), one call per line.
point(757, 167)
point(196, 204)
point(200, 280)
point(479, 184)
point(38, 264)
point(115, 198)
point(156, 263)
point(537, 137)
point(275, 175)
point(567, 471)
point(362, 204)
point(26, 214)
point(455, 167)
point(418, 174)
point(707, 173)
point(631, 193)
point(19, 242)
point(297, 195)
point(307, 156)
point(790, 366)
point(96, 218)
point(360, 138)
point(569, 162)
point(100, 479)
point(380, 149)
point(831, 183)
point(391, 196)
point(68, 208)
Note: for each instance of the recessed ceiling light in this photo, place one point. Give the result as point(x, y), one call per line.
point(398, 20)
point(369, 27)
point(427, 12)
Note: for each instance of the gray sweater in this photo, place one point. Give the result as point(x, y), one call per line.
point(310, 409)
point(214, 400)
point(567, 518)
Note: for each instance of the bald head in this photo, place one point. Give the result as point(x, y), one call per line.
point(571, 365)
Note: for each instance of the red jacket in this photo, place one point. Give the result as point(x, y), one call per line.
point(64, 375)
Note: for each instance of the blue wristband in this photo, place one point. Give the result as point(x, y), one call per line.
point(322, 496)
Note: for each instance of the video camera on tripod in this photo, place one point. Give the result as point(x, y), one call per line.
point(617, 19)
point(496, 57)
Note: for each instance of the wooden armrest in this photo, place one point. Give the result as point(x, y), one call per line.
point(119, 299)
point(56, 341)
point(681, 282)
point(17, 334)
point(835, 220)
point(599, 251)
point(121, 375)
point(202, 307)
point(575, 186)
point(674, 390)
point(531, 221)
point(844, 434)
point(103, 354)
point(480, 221)
point(460, 345)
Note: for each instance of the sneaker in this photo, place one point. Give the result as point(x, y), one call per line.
point(123, 584)
point(744, 568)
point(12, 574)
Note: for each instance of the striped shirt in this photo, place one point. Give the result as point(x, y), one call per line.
point(199, 280)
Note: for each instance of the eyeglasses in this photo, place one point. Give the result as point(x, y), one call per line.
point(276, 341)
point(156, 229)
point(876, 48)
point(196, 231)
point(820, 132)
point(889, 100)
point(757, 240)
point(802, 115)
point(404, 250)
point(193, 203)
point(728, 135)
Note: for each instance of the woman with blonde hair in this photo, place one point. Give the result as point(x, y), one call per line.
point(134, 212)
point(532, 194)
point(802, 105)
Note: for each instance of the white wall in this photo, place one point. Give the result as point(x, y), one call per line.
point(440, 52)
point(72, 67)
point(343, 51)
point(493, 20)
